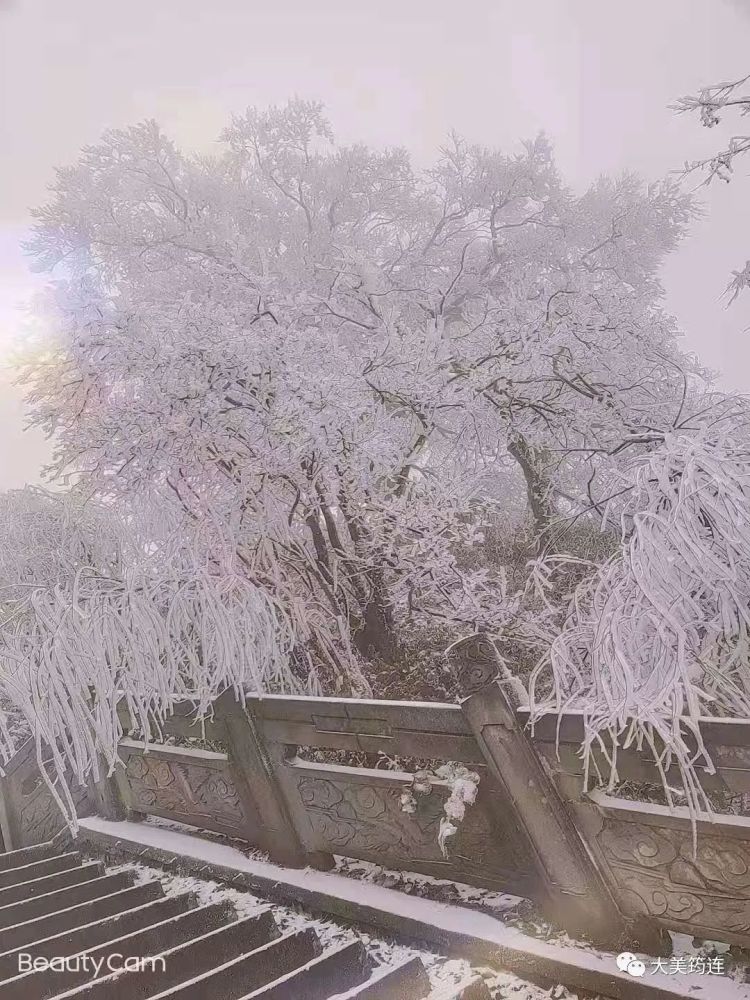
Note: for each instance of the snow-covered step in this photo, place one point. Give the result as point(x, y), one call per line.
point(23, 891)
point(58, 906)
point(77, 938)
point(226, 963)
point(195, 960)
point(473, 988)
point(69, 917)
point(249, 972)
point(50, 902)
point(39, 868)
point(407, 979)
point(151, 939)
point(335, 969)
point(24, 855)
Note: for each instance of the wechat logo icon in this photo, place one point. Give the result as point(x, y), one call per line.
point(630, 963)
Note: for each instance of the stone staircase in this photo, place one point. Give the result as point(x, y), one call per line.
point(55, 905)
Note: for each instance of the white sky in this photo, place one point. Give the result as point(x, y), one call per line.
point(596, 75)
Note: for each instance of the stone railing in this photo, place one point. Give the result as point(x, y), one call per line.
point(612, 868)
point(28, 812)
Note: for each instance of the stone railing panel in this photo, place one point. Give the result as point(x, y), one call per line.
point(409, 729)
point(356, 812)
point(660, 866)
point(183, 723)
point(29, 813)
point(182, 784)
point(657, 870)
point(558, 739)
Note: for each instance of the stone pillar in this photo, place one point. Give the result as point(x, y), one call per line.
point(104, 792)
point(572, 892)
point(105, 795)
point(262, 799)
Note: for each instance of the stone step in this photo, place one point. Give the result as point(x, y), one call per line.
point(336, 969)
point(54, 905)
point(71, 917)
point(25, 855)
point(195, 961)
point(473, 988)
point(153, 940)
point(61, 899)
point(249, 971)
point(50, 883)
point(406, 981)
point(39, 868)
point(89, 935)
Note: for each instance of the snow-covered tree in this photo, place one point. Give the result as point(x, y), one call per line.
point(712, 103)
point(560, 334)
point(95, 606)
point(334, 362)
point(659, 634)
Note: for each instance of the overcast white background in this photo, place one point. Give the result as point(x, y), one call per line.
point(596, 75)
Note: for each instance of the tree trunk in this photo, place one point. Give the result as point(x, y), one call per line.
point(538, 487)
point(377, 637)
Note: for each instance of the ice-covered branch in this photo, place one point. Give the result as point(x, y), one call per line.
point(659, 635)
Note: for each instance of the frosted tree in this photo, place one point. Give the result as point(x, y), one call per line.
point(659, 634)
point(95, 607)
point(332, 363)
point(558, 330)
point(711, 103)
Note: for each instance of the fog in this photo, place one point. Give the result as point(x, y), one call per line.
point(596, 77)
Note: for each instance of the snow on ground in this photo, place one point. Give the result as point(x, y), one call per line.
point(498, 904)
point(487, 915)
point(443, 972)
point(516, 911)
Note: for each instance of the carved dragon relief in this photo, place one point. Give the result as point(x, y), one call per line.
point(655, 872)
point(187, 789)
point(354, 818)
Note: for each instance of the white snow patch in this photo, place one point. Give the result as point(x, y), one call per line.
point(421, 885)
point(454, 919)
